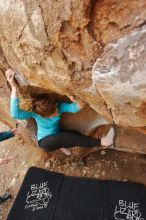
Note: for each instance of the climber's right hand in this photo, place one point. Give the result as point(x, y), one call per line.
point(10, 75)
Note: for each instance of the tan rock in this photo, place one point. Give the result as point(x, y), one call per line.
point(52, 45)
point(119, 76)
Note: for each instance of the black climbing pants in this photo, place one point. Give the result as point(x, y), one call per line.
point(67, 139)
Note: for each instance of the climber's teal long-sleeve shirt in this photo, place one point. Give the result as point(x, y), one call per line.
point(45, 126)
point(6, 135)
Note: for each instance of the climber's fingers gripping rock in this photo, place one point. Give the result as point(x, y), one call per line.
point(10, 75)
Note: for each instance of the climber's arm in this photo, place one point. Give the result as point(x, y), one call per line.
point(80, 104)
point(15, 111)
point(68, 107)
point(71, 107)
point(6, 135)
point(10, 75)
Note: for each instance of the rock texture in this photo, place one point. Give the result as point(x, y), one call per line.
point(53, 45)
point(4, 102)
point(119, 76)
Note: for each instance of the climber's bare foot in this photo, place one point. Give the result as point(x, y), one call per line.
point(108, 140)
point(65, 151)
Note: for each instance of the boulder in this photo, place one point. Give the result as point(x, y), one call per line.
point(94, 50)
point(119, 76)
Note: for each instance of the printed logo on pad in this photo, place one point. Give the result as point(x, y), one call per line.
point(38, 196)
point(127, 211)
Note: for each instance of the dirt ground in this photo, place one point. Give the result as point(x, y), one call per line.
point(102, 164)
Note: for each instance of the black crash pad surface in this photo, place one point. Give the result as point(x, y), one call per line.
point(46, 195)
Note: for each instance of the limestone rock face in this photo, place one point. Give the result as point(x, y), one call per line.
point(55, 43)
point(120, 77)
point(94, 50)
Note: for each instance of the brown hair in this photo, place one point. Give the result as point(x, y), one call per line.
point(44, 105)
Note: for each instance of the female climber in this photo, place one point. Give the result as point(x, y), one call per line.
point(47, 115)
